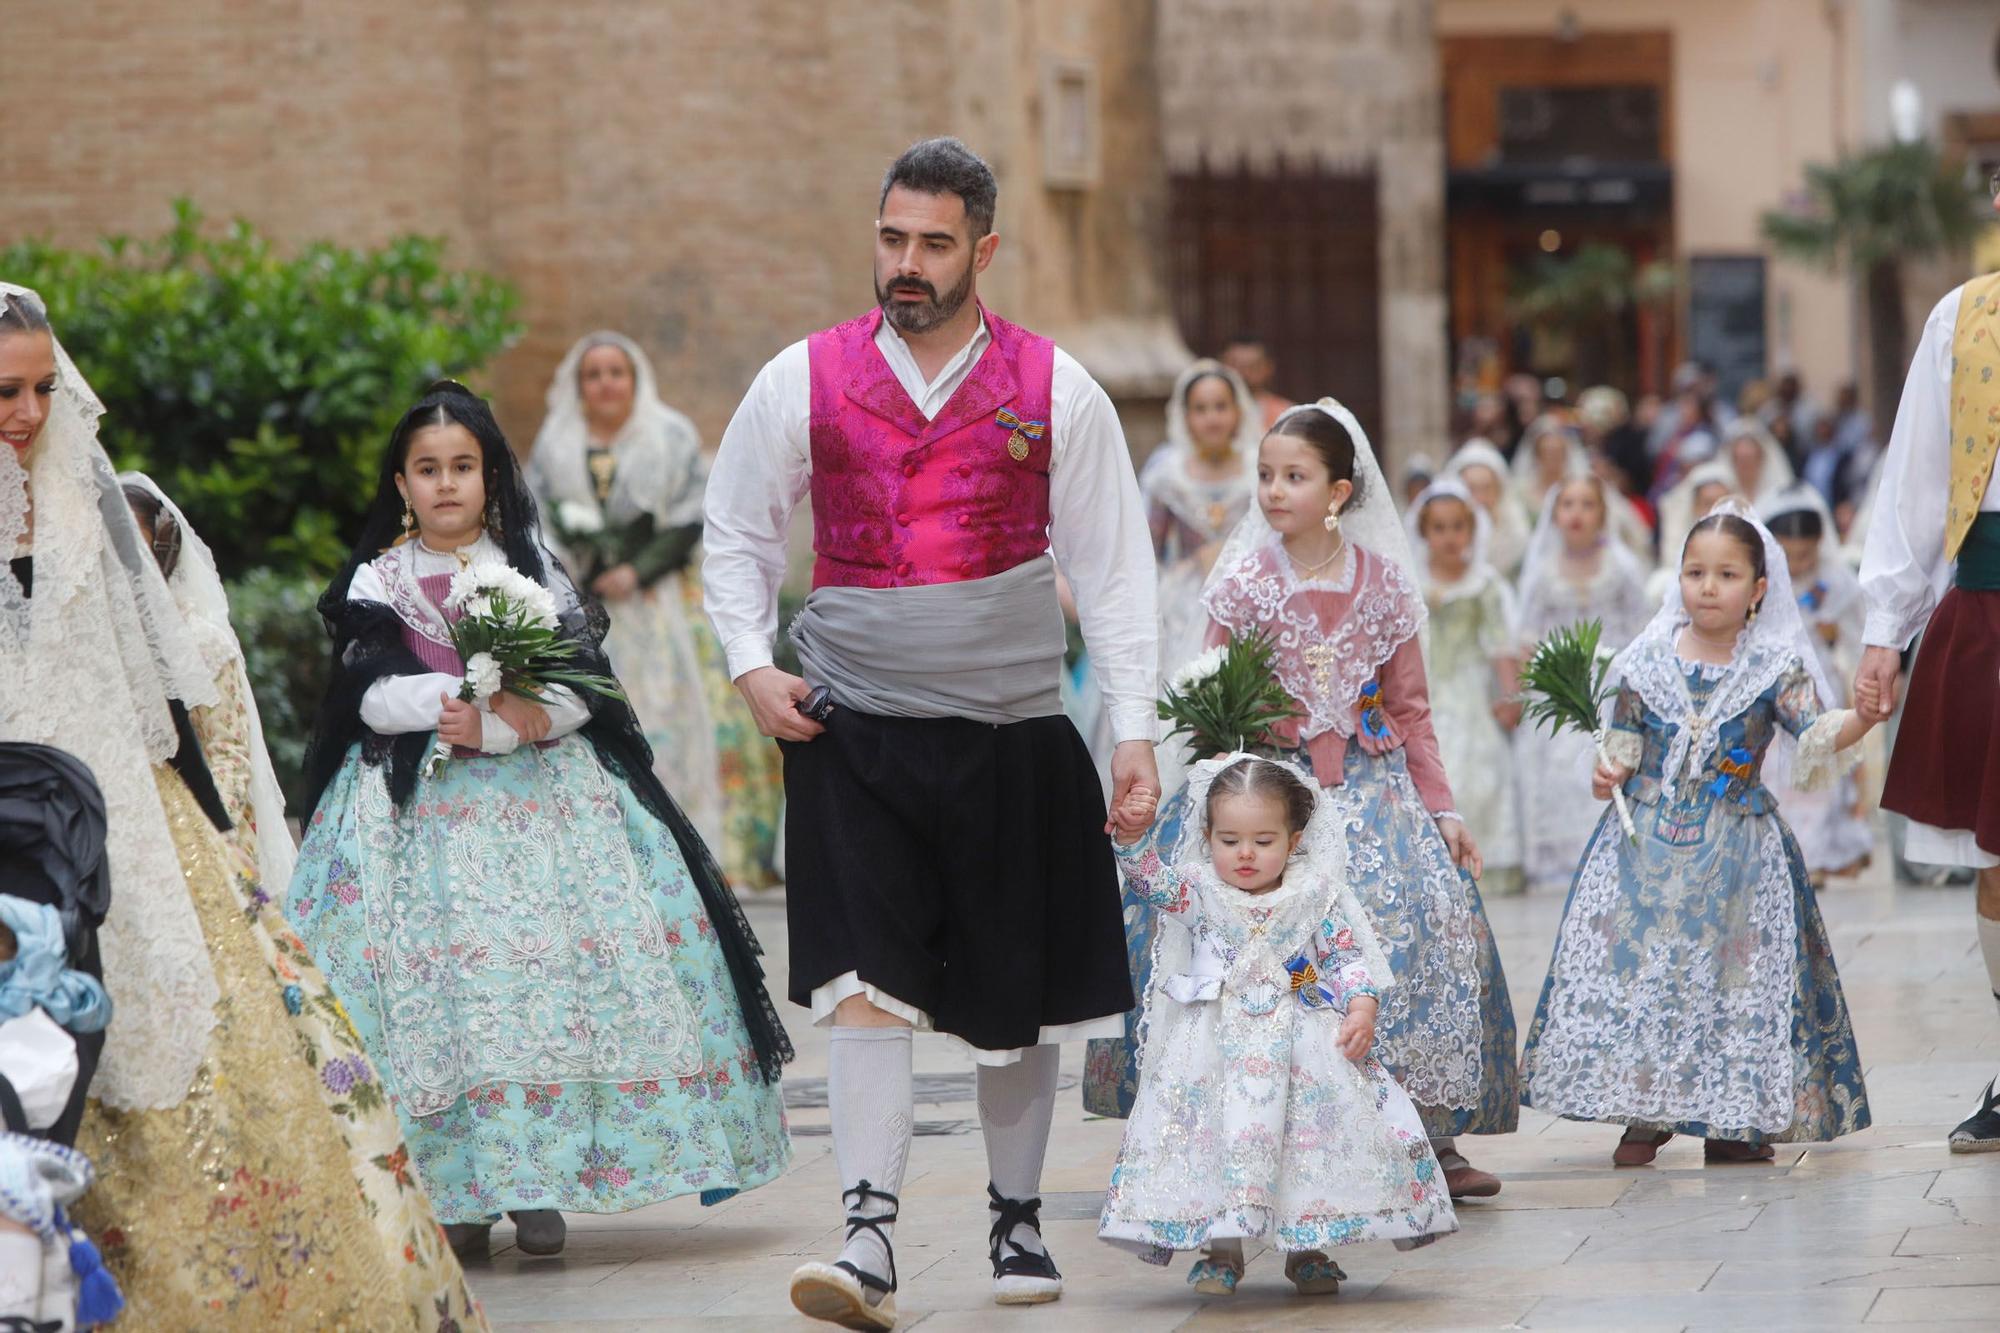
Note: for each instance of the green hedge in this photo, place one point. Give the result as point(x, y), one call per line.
point(258, 389)
point(286, 655)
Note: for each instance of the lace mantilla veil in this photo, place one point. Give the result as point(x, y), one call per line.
point(1321, 860)
point(1765, 650)
point(660, 463)
point(197, 587)
point(1179, 444)
point(91, 660)
point(1540, 564)
point(1479, 569)
point(1369, 520)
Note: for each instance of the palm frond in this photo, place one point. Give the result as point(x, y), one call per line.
point(1233, 707)
point(1563, 680)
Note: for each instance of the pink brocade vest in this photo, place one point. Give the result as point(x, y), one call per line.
point(902, 502)
point(437, 656)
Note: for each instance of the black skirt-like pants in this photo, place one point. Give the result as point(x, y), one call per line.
point(958, 866)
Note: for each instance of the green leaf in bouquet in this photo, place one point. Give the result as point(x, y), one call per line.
point(1562, 682)
point(1234, 706)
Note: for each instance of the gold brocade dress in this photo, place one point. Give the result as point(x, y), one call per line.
point(240, 1207)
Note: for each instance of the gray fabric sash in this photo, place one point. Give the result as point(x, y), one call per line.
point(989, 650)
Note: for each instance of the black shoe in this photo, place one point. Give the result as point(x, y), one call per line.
point(469, 1240)
point(844, 1293)
point(539, 1231)
point(1980, 1131)
point(1023, 1277)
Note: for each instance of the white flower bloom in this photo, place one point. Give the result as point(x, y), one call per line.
point(484, 675)
point(578, 518)
point(1197, 669)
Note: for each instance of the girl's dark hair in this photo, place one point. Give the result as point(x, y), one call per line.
point(166, 532)
point(1739, 531)
point(1187, 390)
point(22, 313)
point(1328, 438)
point(1423, 514)
point(1261, 777)
point(1798, 523)
point(445, 403)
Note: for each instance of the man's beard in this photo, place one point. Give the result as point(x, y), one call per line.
point(921, 316)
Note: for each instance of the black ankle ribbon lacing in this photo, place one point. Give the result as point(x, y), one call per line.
point(1023, 1262)
point(861, 1194)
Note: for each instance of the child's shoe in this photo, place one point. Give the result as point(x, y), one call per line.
point(1313, 1273)
point(1218, 1271)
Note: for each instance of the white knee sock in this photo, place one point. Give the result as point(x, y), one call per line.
point(1016, 1103)
point(1989, 945)
point(869, 1099)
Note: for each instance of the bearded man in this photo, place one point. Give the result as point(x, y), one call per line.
point(945, 827)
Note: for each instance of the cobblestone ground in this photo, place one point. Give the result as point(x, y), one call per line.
point(1883, 1228)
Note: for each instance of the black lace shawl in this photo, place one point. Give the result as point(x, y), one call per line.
point(368, 646)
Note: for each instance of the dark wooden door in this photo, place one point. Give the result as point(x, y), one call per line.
point(1285, 253)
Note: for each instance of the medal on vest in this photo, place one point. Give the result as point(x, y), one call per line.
point(1024, 433)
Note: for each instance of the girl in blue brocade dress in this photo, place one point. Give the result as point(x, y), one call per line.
point(1693, 988)
point(1345, 632)
point(540, 954)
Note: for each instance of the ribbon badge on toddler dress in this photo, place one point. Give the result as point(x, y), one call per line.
point(1024, 432)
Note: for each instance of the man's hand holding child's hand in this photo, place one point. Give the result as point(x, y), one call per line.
point(1134, 815)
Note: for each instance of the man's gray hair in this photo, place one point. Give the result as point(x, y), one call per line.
point(944, 165)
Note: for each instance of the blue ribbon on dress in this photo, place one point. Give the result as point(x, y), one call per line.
point(1373, 721)
point(1736, 767)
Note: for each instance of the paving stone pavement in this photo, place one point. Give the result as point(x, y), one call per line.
point(1882, 1228)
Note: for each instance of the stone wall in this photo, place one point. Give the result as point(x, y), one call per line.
point(701, 176)
point(1350, 81)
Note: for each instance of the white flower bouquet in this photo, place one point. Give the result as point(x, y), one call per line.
point(580, 527)
point(509, 637)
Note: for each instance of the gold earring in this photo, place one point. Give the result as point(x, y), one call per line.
point(409, 520)
point(1333, 519)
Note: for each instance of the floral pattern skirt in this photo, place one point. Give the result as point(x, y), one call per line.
point(750, 772)
point(1693, 988)
point(1447, 1027)
point(596, 1141)
point(651, 644)
point(278, 1194)
point(1259, 1126)
point(1557, 810)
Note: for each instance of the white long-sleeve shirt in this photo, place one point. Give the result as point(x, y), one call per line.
point(398, 704)
point(1097, 531)
point(1903, 566)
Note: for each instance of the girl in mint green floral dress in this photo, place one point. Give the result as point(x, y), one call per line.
point(562, 998)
